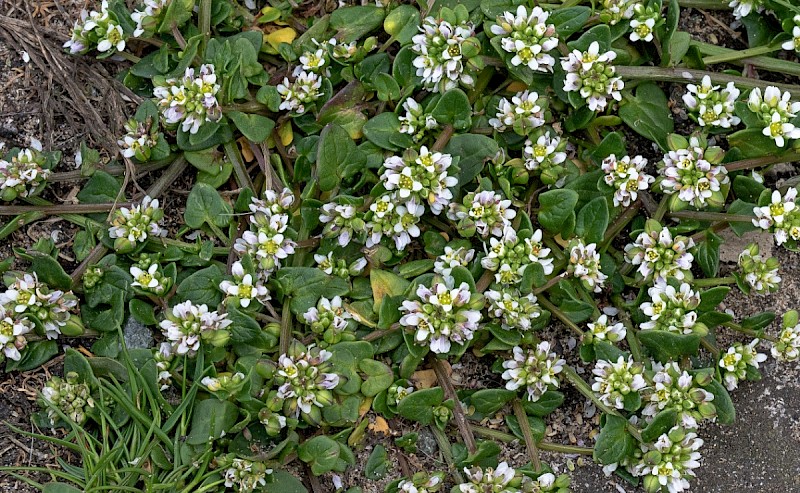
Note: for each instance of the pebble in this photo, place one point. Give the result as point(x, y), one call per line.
point(137, 336)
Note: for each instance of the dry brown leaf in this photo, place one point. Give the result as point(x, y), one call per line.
point(247, 153)
point(380, 426)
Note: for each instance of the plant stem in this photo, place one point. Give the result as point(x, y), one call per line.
point(663, 206)
point(509, 438)
point(630, 330)
point(549, 284)
point(168, 177)
point(560, 315)
point(712, 216)
point(713, 281)
point(686, 75)
point(204, 22)
point(12, 210)
point(286, 327)
point(740, 54)
point(447, 453)
point(761, 161)
point(704, 4)
point(525, 427)
point(444, 138)
point(762, 62)
point(760, 334)
point(620, 223)
point(239, 168)
point(584, 389)
point(19, 222)
point(484, 281)
point(113, 170)
point(128, 56)
point(458, 411)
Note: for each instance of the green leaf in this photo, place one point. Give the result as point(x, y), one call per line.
point(205, 205)
point(569, 21)
point(473, 150)
point(648, 114)
point(678, 47)
point(494, 8)
point(283, 482)
point(600, 33)
point(270, 97)
point(244, 328)
point(747, 189)
point(741, 207)
point(35, 355)
point(59, 488)
point(387, 87)
point(489, 401)
point(379, 377)
point(210, 134)
point(384, 131)
point(592, 220)
point(418, 406)
point(710, 298)
point(536, 424)
point(752, 143)
point(759, 321)
point(726, 412)
point(255, 127)
point(352, 23)
point(142, 311)
point(101, 188)
point(546, 404)
point(707, 254)
point(377, 464)
point(613, 143)
point(453, 108)
point(49, 270)
point(319, 452)
point(335, 145)
point(402, 23)
point(202, 287)
point(665, 346)
point(307, 284)
point(556, 207)
point(210, 419)
point(614, 442)
point(662, 423)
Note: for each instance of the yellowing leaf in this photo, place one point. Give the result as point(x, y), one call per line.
point(275, 38)
point(247, 153)
point(423, 379)
point(380, 426)
point(285, 133)
point(516, 86)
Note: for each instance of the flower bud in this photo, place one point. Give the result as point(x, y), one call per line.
point(73, 326)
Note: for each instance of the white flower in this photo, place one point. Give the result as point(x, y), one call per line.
point(584, 264)
point(459, 257)
point(787, 347)
point(536, 370)
point(742, 8)
point(545, 157)
point(13, 328)
point(591, 74)
point(602, 330)
point(443, 315)
point(315, 62)
point(396, 222)
point(266, 241)
point(775, 109)
point(523, 113)
point(736, 360)
point(656, 251)
point(794, 43)
point(509, 256)
point(138, 223)
point(670, 309)
point(145, 279)
point(673, 388)
point(190, 100)
point(486, 210)
point(27, 296)
point(781, 131)
point(244, 287)
point(759, 273)
point(673, 460)
point(440, 60)
point(528, 37)
point(96, 29)
point(148, 18)
point(304, 380)
point(687, 173)
point(781, 216)
point(23, 174)
point(189, 324)
point(642, 30)
point(627, 177)
point(491, 480)
point(273, 202)
point(711, 106)
point(304, 90)
point(416, 122)
point(512, 309)
point(426, 175)
point(614, 381)
point(329, 313)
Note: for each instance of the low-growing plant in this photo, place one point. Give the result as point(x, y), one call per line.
point(379, 191)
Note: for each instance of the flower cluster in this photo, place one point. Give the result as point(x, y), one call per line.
point(627, 177)
point(244, 287)
point(445, 51)
point(416, 122)
point(398, 222)
point(673, 388)
point(139, 141)
point(591, 74)
point(536, 370)
point(670, 461)
point(736, 360)
point(794, 43)
point(190, 100)
point(147, 20)
point(510, 255)
point(305, 380)
point(22, 174)
point(451, 258)
point(444, 314)
point(187, 325)
point(70, 396)
point(672, 309)
point(614, 381)
point(742, 8)
point(26, 296)
point(528, 37)
point(12, 333)
point(163, 356)
point(495, 480)
point(422, 482)
point(514, 310)
point(225, 383)
point(485, 212)
point(99, 30)
point(655, 251)
point(692, 171)
point(710, 106)
point(584, 264)
point(787, 345)
point(775, 111)
point(602, 330)
point(614, 11)
point(427, 176)
point(760, 274)
point(522, 114)
point(148, 277)
point(339, 267)
point(329, 319)
point(781, 217)
point(243, 475)
point(132, 226)
point(267, 239)
point(546, 157)
point(644, 22)
point(304, 90)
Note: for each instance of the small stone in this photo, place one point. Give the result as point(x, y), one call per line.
point(137, 336)
point(426, 442)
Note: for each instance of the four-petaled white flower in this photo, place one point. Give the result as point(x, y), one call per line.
point(591, 74)
point(528, 37)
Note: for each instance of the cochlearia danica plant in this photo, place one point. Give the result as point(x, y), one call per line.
point(387, 191)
